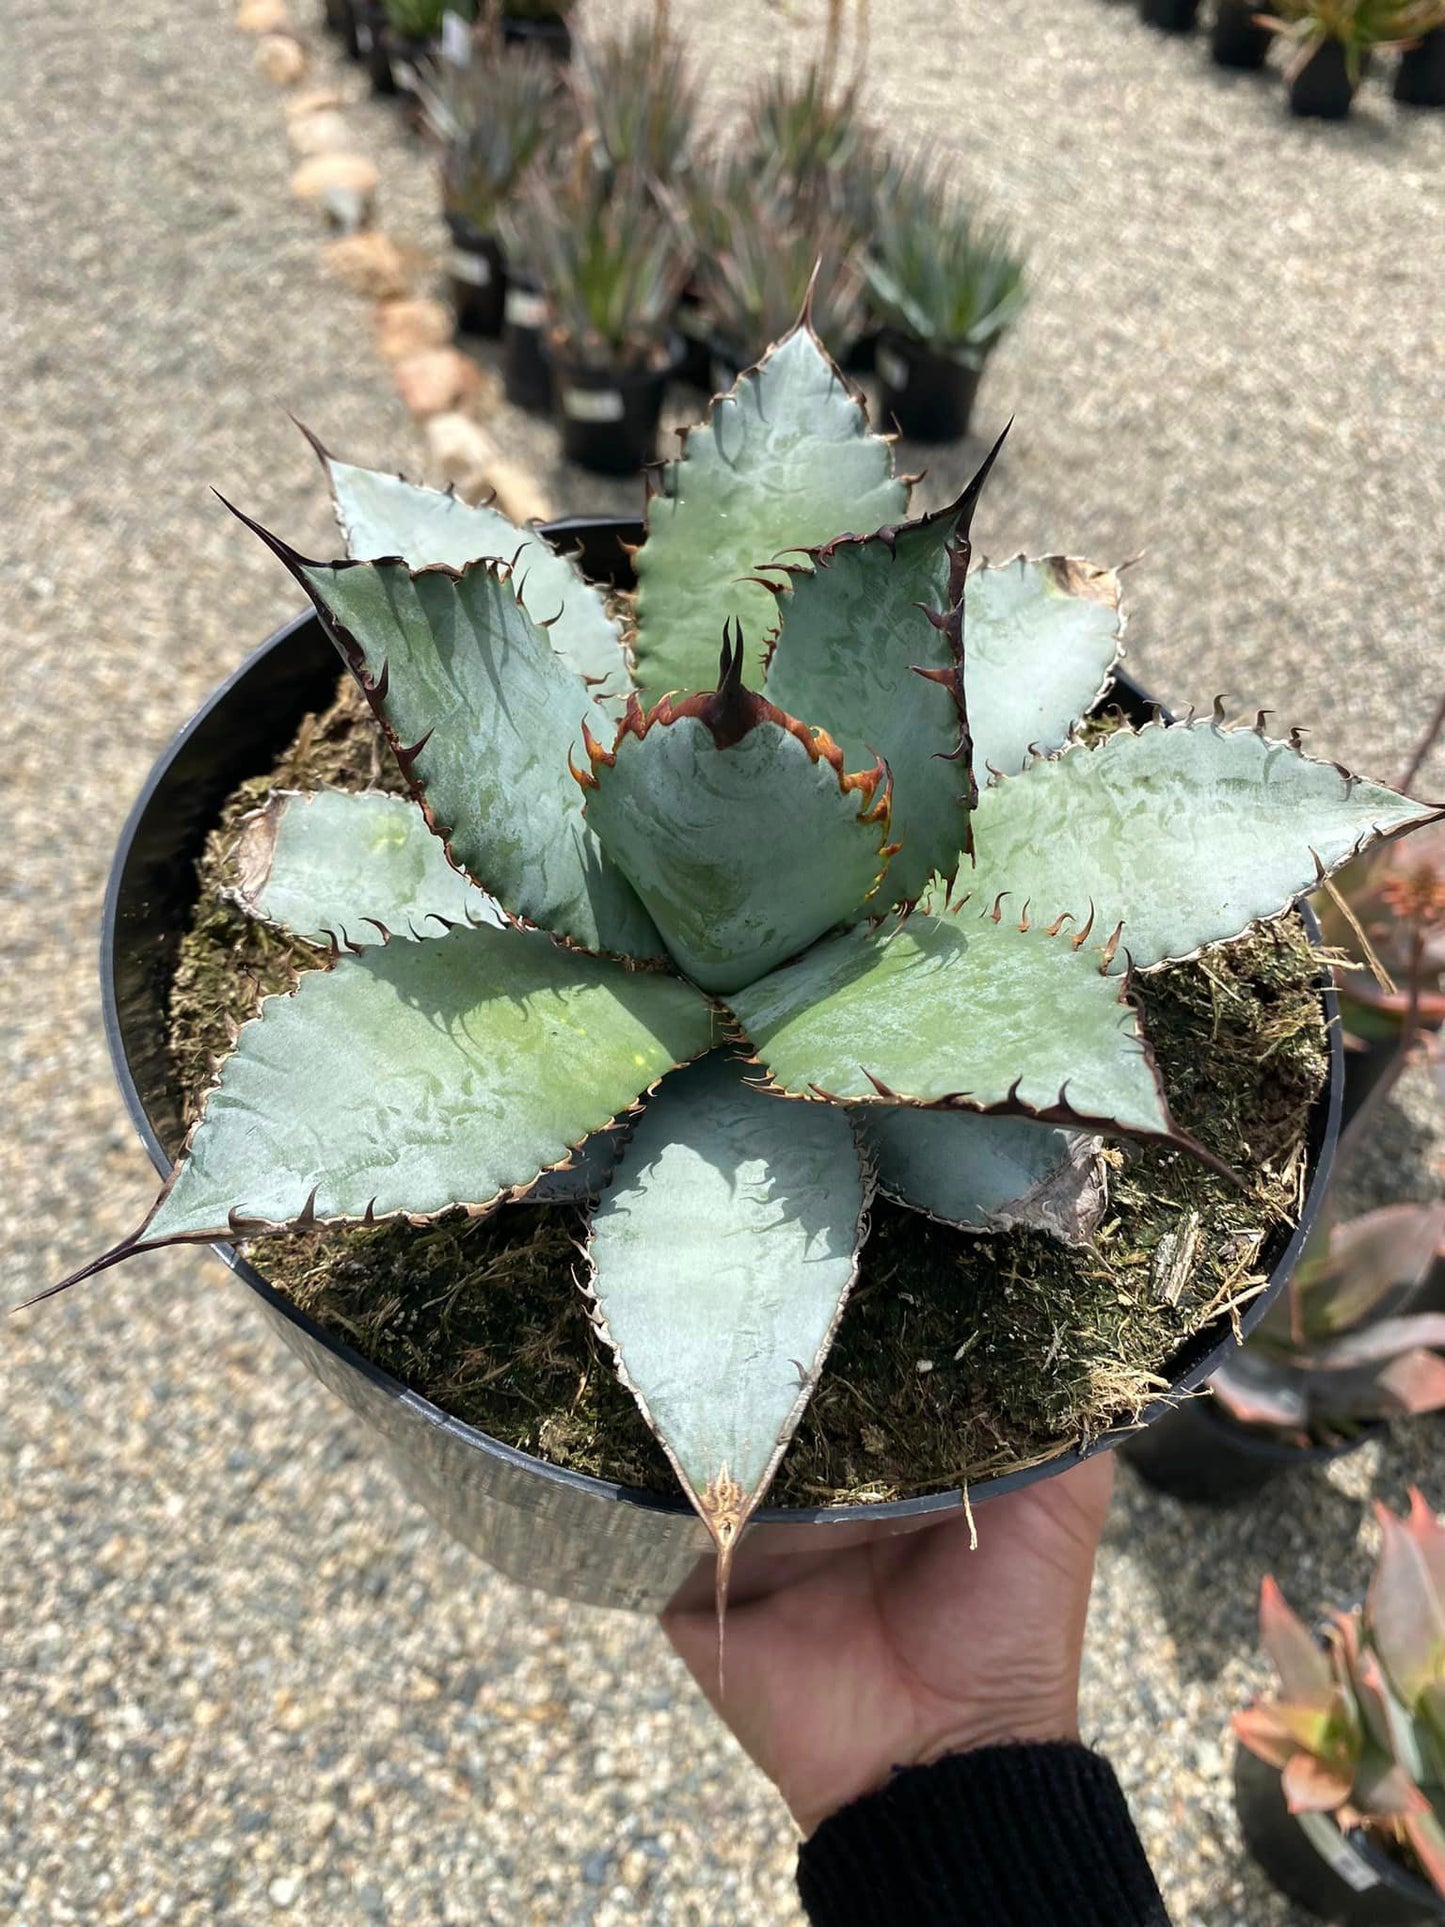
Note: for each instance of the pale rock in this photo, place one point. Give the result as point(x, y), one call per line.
point(435, 381)
point(463, 453)
point(408, 327)
point(370, 264)
point(343, 185)
point(316, 100)
point(324, 132)
point(263, 16)
point(281, 58)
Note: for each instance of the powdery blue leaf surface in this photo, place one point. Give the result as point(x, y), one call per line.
point(483, 715)
point(1186, 834)
point(722, 1255)
point(423, 1075)
point(382, 516)
point(739, 830)
point(786, 460)
point(1040, 640)
point(986, 1173)
point(350, 866)
point(936, 1007)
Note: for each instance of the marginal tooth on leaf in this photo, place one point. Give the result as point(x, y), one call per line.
point(1156, 715)
point(948, 677)
point(368, 1217)
point(583, 777)
point(995, 775)
point(968, 501)
point(996, 914)
point(1321, 873)
point(1111, 948)
point(356, 949)
point(307, 1216)
point(1259, 716)
point(1216, 721)
point(379, 927)
point(1082, 937)
point(1064, 916)
point(1296, 739)
point(1024, 925)
point(882, 1089)
point(406, 756)
point(595, 752)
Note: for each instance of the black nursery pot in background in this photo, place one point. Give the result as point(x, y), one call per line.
point(1322, 89)
point(1172, 16)
point(929, 395)
point(1420, 76)
point(1235, 40)
point(404, 57)
point(608, 417)
point(550, 36)
point(1199, 1454)
point(1340, 1877)
point(478, 273)
point(526, 376)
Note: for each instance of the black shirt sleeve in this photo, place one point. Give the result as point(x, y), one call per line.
point(1008, 1836)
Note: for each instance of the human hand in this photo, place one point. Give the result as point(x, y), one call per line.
point(842, 1665)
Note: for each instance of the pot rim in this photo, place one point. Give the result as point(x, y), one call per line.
point(1325, 1121)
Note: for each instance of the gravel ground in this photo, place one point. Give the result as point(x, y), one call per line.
point(239, 1673)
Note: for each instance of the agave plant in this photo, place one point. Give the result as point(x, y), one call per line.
point(760, 254)
point(857, 910)
point(612, 262)
point(1341, 1345)
point(808, 128)
point(494, 118)
point(937, 271)
point(419, 19)
point(641, 98)
point(1358, 1731)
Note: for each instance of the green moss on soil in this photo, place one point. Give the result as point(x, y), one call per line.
point(957, 1357)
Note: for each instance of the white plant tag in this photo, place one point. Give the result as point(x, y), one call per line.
point(1336, 1852)
point(404, 74)
point(365, 39)
point(525, 308)
point(893, 368)
point(456, 40)
point(473, 268)
point(592, 404)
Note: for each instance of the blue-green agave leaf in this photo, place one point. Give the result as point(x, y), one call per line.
point(738, 827)
point(482, 715)
point(872, 645)
point(950, 1007)
point(1040, 640)
point(721, 1259)
point(786, 460)
point(1186, 834)
point(383, 516)
point(350, 868)
point(419, 1076)
point(986, 1173)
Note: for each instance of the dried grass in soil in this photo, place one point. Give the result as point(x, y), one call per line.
point(957, 1358)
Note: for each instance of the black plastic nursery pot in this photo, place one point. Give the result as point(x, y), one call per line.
point(1235, 40)
point(478, 272)
point(526, 374)
point(1199, 1454)
point(1420, 75)
point(571, 1534)
point(550, 36)
point(609, 416)
point(695, 360)
point(1170, 16)
point(1322, 89)
point(336, 17)
point(1339, 1877)
point(377, 52)
point(368, 18)
point(929, 395)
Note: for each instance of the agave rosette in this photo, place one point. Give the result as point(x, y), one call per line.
point(859, 911)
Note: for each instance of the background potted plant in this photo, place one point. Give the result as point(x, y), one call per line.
point(1170, 16)
point(1236, 39)
point(612, 262)
point(947, 285)
point(1332, 42)
point(1420, 75)
point(759, 247)
point(494, 117)
point(1340, 1782)
point(540, 25)
point(526, 373)
point(409, 39)
point(639, 96)
point(1342, 1350)
point(452, 1058)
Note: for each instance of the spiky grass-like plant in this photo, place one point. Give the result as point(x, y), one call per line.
point(937, 270)
point(612, 262)
point(494, 118)
point(1358, 25)
point(856, 910)
point(641, 98)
